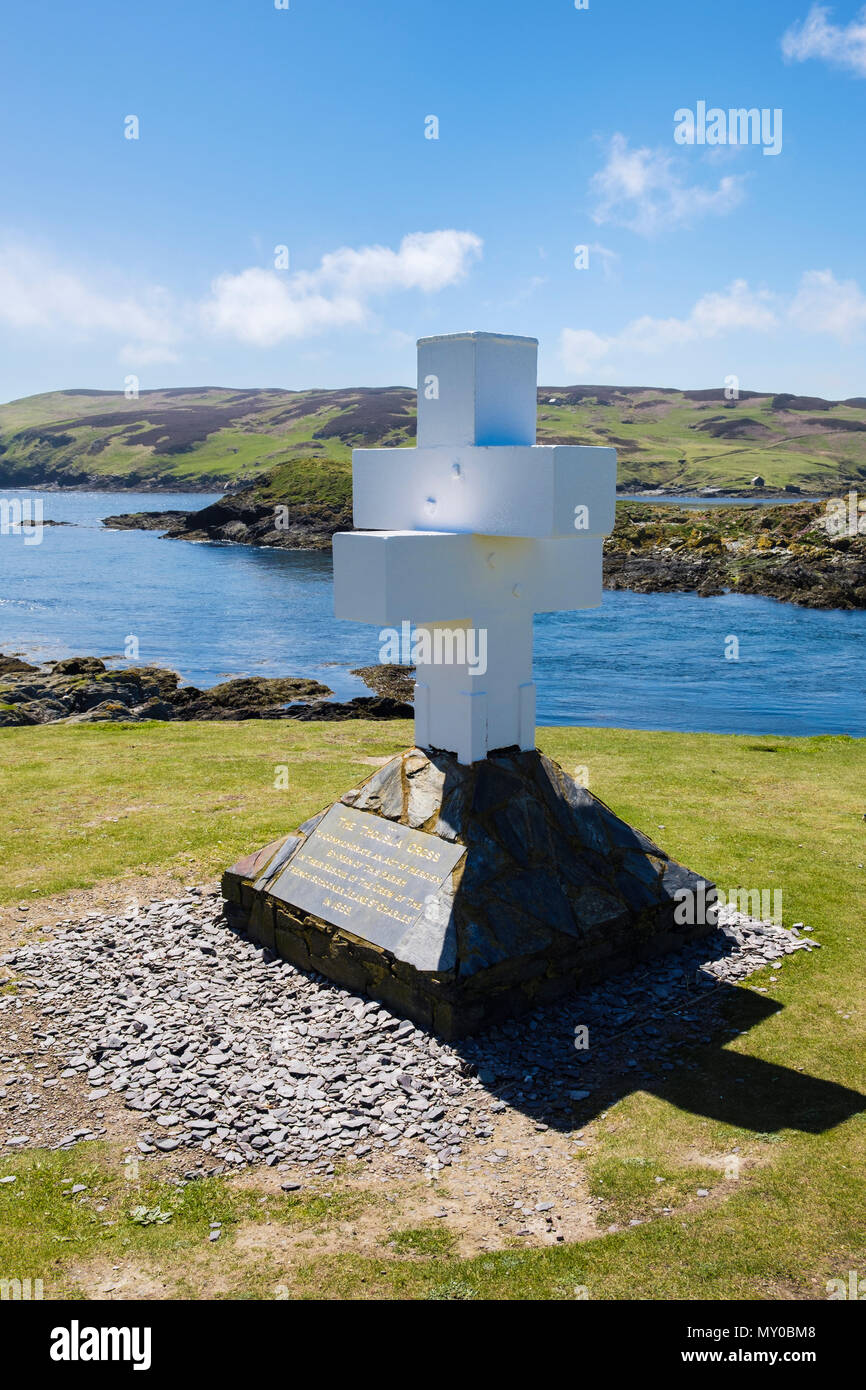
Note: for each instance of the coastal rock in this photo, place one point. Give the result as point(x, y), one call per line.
point(77, 666)
point(361, 707)
point(786, 552)
point(387, 679)
point(44, 711)
point(249, 517)
point(264, 691)
point(82, 690)
point(108, 712)
point(153, 709)
point(13, 716)
point(144, 521)
point(12, 665)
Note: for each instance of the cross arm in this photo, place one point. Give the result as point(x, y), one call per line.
point(385, 577)
point(539, 491)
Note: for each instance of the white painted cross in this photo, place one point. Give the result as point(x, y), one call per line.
point(483, 528)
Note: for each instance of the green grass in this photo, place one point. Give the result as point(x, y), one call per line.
point(190, 797)
point(48, 1233)
point(636, 1186)
point(431, 1241)
point(744, 811)
point(326, 482)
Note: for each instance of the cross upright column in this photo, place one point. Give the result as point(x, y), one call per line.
point(484, 528)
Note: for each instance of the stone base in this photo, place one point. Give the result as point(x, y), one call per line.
point(552, 892)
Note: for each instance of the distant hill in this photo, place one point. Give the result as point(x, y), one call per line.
point(201, 438)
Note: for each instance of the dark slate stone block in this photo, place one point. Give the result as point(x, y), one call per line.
point(485, 863)
point(451, 814)
point(624, 836)
point(494, 786)
point(383, 793)
point(309, 825)
point(521, 827)
point(578, 870)
point(596, 907)
point(512, 938)
point(586, 819)
point(644, 868)
point(677, 878)
point(538, 894)
point(426, 787)
point(639, 895)
point(280, 859)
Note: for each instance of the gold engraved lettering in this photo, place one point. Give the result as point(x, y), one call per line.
point(361, 898)
point(423, 852)
point(337, 907)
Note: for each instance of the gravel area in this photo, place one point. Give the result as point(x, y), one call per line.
point(218, 1047)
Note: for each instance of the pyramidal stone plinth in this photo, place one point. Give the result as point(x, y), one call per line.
point(461, 895)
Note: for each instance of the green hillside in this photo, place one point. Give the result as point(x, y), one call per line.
point(694, 439)
point(202, 438)
point(190, 438)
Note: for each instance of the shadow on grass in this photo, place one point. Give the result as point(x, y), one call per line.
point(534, 1067)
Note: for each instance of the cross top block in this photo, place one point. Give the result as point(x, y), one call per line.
point(468, 535)
point(476, 388)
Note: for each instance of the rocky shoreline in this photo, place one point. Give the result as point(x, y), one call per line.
point(145, 521)
point(83, 690)
point(248, 518)
point(791, 553)
point(788, 552)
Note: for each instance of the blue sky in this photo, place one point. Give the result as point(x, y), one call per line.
point(305, 128)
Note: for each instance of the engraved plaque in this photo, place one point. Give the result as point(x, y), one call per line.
point(367, 874)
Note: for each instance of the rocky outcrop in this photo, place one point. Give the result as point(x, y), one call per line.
point(362, 707)
point(12, 665)
point(144, 521)
point(791, 553)
point(392, 682)
point(82, 690)
point(246, 518)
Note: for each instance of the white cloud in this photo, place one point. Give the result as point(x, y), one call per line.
point(263, 307)
point(256, 306)
point(713, 314)
point(39, 295)
point(580, 348)
point(824, 304)
point(146, 354)
point(643, 190)
point(815, 37)
point(820, 304)
point(737, 307)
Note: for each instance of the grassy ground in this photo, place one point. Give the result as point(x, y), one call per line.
point(93, 804)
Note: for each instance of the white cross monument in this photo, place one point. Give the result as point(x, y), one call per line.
point(477, 528)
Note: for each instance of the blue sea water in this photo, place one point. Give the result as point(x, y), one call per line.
point(644, 661)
